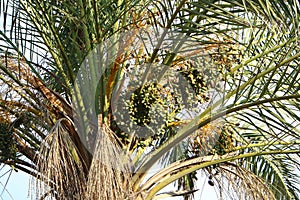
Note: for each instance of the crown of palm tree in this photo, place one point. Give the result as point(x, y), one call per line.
point(95, 94)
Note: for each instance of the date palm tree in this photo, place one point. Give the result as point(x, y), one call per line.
point(118, 99)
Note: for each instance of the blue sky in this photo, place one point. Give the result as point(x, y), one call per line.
point(17, 186)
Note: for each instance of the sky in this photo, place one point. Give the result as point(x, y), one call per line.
point(17, 187)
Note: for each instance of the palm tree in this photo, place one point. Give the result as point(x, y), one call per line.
point(119, 99)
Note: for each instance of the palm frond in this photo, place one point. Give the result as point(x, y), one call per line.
point(235, 182)
point(109, 178)
point(278, 173)
point(60, 167)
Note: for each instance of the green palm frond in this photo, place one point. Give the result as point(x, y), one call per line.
point(278, 173)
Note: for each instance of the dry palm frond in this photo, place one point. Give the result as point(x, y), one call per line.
point(63, 171)
point(27, 80)
point(60, 166)
point(110, 170)
point(235, 182)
